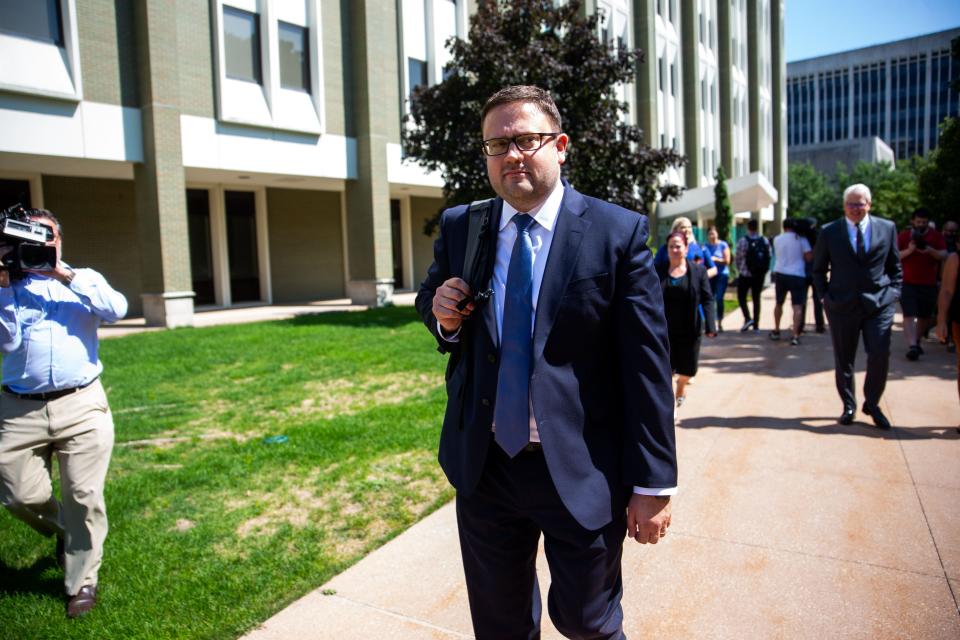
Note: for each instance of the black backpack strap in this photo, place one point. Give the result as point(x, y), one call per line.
point(478, 249)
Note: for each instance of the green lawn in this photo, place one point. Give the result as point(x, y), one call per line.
point(730, 304)
point(212, 528)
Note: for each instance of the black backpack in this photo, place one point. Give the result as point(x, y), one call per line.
point(758, 255)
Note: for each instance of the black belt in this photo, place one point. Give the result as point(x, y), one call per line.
point(47, 395)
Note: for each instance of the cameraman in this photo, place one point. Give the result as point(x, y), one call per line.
point(922, 249)
point(53, 403)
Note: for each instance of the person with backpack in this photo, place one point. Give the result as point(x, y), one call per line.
point(753, 262)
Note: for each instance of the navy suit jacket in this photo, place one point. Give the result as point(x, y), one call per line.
point(601, 384)
point(857, 287)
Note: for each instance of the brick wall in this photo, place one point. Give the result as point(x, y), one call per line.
point(306, 248)
point(99, 229)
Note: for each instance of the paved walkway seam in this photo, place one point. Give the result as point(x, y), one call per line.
point(807, 554)
point(926, 521)
point(399, 616)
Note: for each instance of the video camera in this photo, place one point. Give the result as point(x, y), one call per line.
point(920, 239)
point(27, 240)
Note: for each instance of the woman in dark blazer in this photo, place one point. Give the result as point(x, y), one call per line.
point(686, 289)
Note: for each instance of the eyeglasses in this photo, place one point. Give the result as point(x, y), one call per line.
point(524, 142)
point(856, 205)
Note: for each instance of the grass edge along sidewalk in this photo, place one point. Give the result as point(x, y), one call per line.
point(216, 523)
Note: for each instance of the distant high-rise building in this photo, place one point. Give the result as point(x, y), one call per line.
point(898, 91)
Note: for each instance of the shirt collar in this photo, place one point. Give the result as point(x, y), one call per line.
point(545, 215)
point(863, 223)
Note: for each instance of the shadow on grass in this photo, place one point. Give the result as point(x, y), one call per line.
point(387, 317)
point(36, 579)
point(825, 425)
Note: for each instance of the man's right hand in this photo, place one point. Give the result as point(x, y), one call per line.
point(445, 300)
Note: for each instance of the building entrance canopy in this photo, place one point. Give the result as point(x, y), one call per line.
point(752, 192)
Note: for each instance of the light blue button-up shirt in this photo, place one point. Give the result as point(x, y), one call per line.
point(48, 330)
point(864, 229)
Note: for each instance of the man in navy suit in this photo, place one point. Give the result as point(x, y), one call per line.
point(559, 417)
point(860, 253)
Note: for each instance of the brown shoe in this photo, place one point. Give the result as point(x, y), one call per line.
point(83, 602)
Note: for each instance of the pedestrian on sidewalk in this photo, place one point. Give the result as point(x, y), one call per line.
point(807, 228)
point(685, 288)
point(753, 262)
point(695, 252)
point(793, 253)
point(948, 306)
point(719, 251)
point(559, 404)
point(53, 405)
point(859, 252)
point(922, 249)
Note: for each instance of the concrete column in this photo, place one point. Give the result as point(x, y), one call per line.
point(373, 48)
point(753, 92)
point(690, 63)
point(725, 62)
point(645, 32)
point(779, 80)
point(158, 182)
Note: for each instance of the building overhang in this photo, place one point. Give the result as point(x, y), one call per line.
point(751, 192)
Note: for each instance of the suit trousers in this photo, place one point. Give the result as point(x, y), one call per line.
point(845, 332)
point(500, 525)
point(78, 428)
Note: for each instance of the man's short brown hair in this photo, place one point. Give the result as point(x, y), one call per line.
point(524, 93)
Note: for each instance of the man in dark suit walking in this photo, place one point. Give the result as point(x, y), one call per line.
point(559, 416)
point(860, 252)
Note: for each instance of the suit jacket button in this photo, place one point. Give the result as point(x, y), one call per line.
point(491, 358)
point(485, 402)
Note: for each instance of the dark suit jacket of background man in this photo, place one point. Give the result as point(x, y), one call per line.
point(855, 288)
point(601, 384)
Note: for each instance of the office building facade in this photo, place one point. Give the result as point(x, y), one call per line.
point(214, 153)
point(898, 92)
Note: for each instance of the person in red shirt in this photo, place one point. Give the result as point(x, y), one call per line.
point(922, 249)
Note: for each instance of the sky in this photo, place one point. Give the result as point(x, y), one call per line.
point(818, 27)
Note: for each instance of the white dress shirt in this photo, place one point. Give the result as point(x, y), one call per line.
point(864, 229)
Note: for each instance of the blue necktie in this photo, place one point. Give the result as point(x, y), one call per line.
point(512, 414)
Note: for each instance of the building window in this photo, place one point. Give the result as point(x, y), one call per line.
point(417, 73)
point(294, 56)
point(673, 79)
point(269, 64)
point(241, 42)
point(37, 20)
point(662, 64)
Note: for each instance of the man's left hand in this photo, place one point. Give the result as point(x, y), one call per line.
point(648, 518)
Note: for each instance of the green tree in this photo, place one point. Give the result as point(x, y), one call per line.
point(723, 217)
point(555, 47)
point(812, 193)
point(939, 179)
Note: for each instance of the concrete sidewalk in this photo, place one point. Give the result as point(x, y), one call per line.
point(787, 525)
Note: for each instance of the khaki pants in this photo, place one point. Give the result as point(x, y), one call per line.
point(78, 428)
